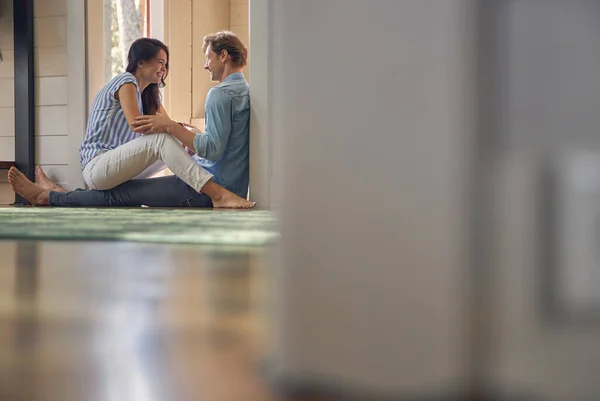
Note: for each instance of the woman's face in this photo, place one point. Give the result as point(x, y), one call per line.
point(154, 70)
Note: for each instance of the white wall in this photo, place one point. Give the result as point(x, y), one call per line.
point(239, 11)
point(76, 91)
point(7, 120)
point(261, 136)
point(157, 19)
point(53, 148)
point(551, 99)
point(372, 103)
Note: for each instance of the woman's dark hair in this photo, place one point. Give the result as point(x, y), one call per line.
point(145, 49)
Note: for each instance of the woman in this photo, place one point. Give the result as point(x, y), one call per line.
point(112, 153)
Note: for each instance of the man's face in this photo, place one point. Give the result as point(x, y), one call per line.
point(215, 64)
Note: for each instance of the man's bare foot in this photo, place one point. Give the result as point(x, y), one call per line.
point(35, 194)
point(42, 180)
point(224, 199)
point(228, 200)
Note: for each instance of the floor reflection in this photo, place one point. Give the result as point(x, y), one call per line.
point(117, 321)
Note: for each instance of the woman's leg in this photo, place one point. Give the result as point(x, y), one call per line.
point(151, 171)
point(116, 166)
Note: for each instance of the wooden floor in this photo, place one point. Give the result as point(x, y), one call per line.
point(131, 322)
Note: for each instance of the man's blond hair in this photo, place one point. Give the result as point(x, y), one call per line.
point(227, 40)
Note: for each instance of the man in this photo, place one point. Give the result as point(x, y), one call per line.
point(223, 149)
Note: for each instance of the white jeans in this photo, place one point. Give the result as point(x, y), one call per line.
point(114, 167)
point(151, 171)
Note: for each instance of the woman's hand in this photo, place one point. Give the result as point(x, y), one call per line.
point(159, 123)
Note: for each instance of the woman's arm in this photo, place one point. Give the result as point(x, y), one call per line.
point(186, 138)
point(127, 96)
point(162, 123)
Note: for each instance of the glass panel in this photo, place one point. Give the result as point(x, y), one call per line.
point(125, 21)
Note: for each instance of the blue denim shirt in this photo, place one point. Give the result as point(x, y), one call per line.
point(224, 148)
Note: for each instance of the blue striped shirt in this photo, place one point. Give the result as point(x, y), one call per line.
point(107, 126)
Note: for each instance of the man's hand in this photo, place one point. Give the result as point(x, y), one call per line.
point(159, 123)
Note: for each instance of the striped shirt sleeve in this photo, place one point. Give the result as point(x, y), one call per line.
point(122, 79)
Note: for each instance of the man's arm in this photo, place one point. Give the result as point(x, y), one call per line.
point(212, 143)
point(182, 134)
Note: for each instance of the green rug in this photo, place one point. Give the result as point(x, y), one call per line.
point(175, 226)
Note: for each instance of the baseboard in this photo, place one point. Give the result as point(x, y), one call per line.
point(302, 387)
point(7, 196)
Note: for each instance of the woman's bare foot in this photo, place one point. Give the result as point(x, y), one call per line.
point(224, 199)
point(42, 180)
point(35, 194)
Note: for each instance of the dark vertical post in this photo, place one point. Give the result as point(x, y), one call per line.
point(490, 25)
point(24, 90)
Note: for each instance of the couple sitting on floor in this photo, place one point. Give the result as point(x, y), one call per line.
point(129, 132)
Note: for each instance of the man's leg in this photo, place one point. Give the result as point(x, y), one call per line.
point(42, 180)
point(158, 192)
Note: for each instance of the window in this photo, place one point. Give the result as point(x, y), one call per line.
point(124, 22)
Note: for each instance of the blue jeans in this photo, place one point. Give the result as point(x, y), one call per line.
point(158, 192)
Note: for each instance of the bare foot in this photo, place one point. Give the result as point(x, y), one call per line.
point(35, 194)
point(228, 200)
point(42, 180)
point(224, 199)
